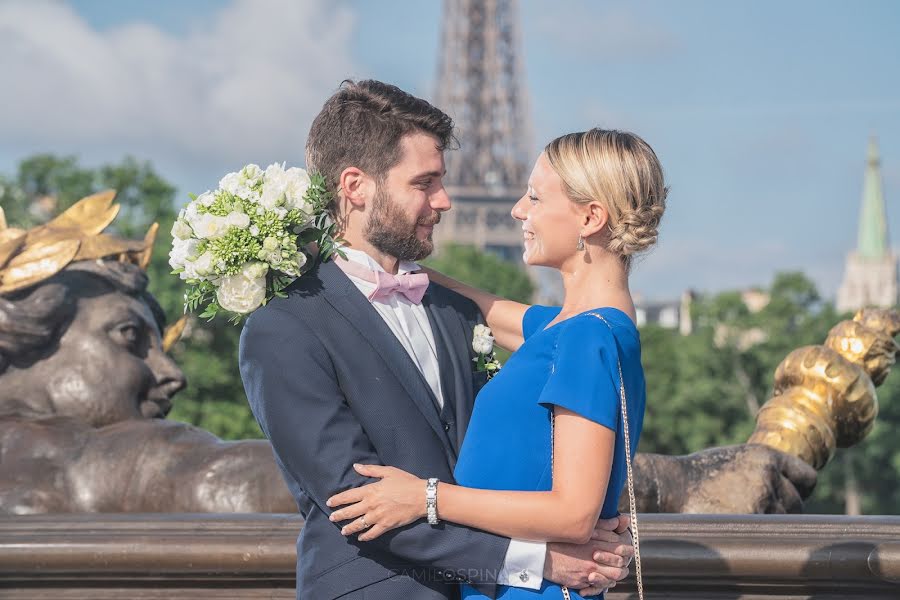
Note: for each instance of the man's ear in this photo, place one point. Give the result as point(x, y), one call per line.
point(355, 187)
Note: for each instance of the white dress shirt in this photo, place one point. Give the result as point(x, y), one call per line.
point(524, 563)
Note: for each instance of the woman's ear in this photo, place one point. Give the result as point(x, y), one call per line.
point(353, 187)
point(594, 218)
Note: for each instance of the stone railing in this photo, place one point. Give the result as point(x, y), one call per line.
point(252, 556)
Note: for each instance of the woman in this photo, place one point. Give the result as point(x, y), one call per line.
point(544, 454)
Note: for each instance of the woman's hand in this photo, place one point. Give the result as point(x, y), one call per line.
point(397, 500)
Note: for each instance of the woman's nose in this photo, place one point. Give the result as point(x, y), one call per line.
point(519, 211)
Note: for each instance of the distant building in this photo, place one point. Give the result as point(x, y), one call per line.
point(870, 278)
point(675, 314)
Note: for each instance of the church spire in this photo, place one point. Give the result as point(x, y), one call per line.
point(873, 239)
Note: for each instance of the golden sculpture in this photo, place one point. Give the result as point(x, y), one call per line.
point(824, 396)
point(30, 256)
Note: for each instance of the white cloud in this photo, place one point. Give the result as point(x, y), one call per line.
point(245, 85)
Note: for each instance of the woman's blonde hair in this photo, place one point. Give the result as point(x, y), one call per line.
point(620, 170)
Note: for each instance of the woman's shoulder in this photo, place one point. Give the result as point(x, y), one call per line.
point(607, 330)
point(537, 317)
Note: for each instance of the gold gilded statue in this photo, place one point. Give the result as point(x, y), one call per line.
point(824, 396)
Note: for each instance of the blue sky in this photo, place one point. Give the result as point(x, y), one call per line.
point(760, 111)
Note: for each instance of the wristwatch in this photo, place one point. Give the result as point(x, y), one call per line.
point(431, 501)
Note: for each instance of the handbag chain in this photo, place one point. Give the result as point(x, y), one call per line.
point(630, 478)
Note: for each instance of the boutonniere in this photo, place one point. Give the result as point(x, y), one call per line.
point(483, 345)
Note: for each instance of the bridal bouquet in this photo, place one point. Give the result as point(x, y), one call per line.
point(241, 245)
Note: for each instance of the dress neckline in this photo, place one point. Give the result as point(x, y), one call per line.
point(591, 310)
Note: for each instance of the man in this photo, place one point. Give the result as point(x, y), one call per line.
point(360, 363)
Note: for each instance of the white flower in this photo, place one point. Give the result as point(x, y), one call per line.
point(482, 340)
point(206, 198)
point(203, 266)
point(232, 183)
point(238, 219)
point(295, 188)
point(181, 230)
point(274, 185)
point(252, 174)
point(209, 226)
point(244, 291)
point(182, 251)
point(254, 230)
point(280, 212)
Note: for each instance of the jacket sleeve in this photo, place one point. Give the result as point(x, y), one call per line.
point(296, 397)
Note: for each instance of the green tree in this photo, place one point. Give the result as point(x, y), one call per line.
point(483, 270)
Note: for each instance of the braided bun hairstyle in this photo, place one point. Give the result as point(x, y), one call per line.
point(620, 170)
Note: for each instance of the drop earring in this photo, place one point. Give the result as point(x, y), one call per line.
point(580, 246)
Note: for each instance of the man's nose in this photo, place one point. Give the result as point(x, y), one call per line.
point(440, 200)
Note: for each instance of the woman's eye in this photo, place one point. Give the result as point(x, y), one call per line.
point(533, 199)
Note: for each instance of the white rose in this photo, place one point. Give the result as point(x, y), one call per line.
point(210, 226)
point(252, 174)
point(274, 185)
point(297, 185)
point(482, 340)
point(238, 219)
point(181, 230)
point(182, 251)
point(206, 198)
point(203, 266)
point(244, 291)
point(232, 183)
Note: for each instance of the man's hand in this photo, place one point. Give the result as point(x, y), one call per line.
point(744, 479)
point(596, 566)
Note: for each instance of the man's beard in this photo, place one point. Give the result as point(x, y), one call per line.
point(390, 230)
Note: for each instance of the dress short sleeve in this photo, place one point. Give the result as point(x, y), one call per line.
point(537, 317)
point(585, 374)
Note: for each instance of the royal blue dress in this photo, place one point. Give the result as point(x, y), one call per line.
point(570, 364)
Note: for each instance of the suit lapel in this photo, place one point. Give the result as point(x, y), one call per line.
point(340, 292)
point(453, 357)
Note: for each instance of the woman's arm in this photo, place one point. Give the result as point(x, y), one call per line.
point(503, 316)
point(567, 513)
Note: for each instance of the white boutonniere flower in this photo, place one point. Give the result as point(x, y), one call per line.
point(483, 345)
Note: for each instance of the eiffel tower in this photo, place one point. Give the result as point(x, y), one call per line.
point(481, 85)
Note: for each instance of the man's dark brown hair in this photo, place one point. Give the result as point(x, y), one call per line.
point(361, 126)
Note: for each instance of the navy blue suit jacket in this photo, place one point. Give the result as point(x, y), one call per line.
point(330, 385)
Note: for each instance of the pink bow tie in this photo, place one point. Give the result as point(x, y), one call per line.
point(411, 285)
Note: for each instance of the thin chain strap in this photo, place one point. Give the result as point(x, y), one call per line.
point(630, 477)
